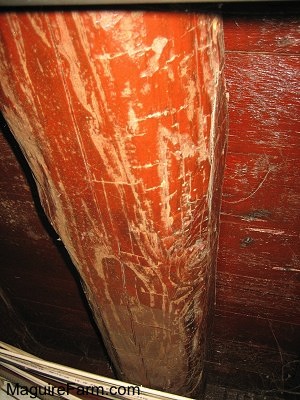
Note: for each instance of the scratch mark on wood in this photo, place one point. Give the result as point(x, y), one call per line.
point(126, 140)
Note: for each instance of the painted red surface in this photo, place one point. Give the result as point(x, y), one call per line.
point(258, 288)
point(122, 119)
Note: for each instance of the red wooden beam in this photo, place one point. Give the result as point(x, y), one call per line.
point(122, 118)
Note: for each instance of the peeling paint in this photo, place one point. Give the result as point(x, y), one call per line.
point(124, 143)
point(157, 47)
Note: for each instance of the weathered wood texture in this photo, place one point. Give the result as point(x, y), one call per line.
point(122, 119)
point(35, 261)
point(261, 207)
point(36, 273)
point(259, 255)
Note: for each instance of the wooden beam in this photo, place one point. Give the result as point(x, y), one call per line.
point(122, 118)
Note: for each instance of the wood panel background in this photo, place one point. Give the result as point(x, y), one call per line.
point(257, 320)
point(37, 276)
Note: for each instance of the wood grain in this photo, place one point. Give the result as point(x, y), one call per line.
point(258, 260)
point(121, 117)
point(261, 33)
point(264, 103)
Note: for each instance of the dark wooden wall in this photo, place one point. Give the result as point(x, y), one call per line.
point(257, 307)
point(37, 277)
point(256, 327)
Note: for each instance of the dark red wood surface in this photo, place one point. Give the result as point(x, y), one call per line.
point(122, 118)
point(36, 273)
point(257, 307)
point(261, 152)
